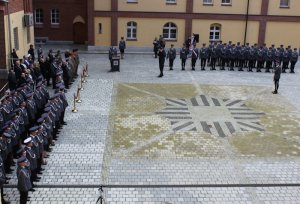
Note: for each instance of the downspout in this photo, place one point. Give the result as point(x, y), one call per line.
point(9, 35)
point(246, 26)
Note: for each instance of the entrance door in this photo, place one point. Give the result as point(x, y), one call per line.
point(79, 33)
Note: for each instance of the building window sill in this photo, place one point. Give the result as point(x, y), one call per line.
point(55, 26)
point(171, 40)
point(131, 39)
point(132, 2)
point(284, 7)
point(207, 4)
point(226, 4)
point(39, 25)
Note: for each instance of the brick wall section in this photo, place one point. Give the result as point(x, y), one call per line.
point(69, 9)
point(15, 6)
point(2, 42)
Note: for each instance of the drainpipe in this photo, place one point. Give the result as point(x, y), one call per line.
point(246, 26)
point(9, 33)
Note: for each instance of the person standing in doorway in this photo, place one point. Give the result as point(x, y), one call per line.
point(122, 47)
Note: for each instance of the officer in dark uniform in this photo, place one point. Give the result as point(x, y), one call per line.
point(223, 57)
point(171, 55)
point(31, 156)
point(183, 56)
point(2, 180)
point(113, 52)
point(294, 59)
point(203, 55)
point(276, 77)
point(161, 58)
point(194, 57)
point(232, 57)
point(285, 60)
point(24, 184)
point(259, 59)
point(213, 57)
point(269, 59)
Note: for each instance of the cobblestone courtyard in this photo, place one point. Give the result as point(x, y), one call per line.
point(189, 137)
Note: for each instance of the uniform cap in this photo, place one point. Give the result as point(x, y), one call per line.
point(7, 135)
point(21, 160)
point(33, 129)
point(59, 73)
point(28, 140)
point(47, 109)
point(44, 115)
point(40, 120)
point(29, 95)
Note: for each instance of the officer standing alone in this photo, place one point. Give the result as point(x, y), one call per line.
point(161, 57)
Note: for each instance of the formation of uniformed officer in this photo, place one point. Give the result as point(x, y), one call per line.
point(30, 120)
point(241, 56)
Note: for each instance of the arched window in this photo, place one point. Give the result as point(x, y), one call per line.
point(131, 30)
point(170, 31)
point(215, 32)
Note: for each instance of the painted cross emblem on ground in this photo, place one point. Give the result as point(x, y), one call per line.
point(219, 117)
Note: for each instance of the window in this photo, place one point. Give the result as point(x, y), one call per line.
point(16, 38)
point(207, 2)
point(215, 32)
point(39, 16)
point(54, 16)
point(170, 1)
point(284, 3)
point(100, 28)
point(170, 31)
point(131, 30)
point(226, 2)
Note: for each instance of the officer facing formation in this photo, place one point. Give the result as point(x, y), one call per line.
point(161, 58)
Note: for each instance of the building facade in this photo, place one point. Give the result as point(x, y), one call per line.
point(57, 20)
point(140, 21)
point(16, 25)
point(101, 23)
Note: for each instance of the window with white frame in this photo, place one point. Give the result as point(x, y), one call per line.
point(207, 2)
point(284, 3)
point(226, 2)
point(54, 16)
point(131, 30)
point(170, 1)
point(170, 31)
point(215, 32)
point(39, 16)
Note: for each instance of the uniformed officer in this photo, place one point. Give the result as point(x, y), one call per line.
point(232, 57)
point(269, 58)
point(24, 184)
point(213, 57)
point(183, 56)
point(161, 58)
point(113, 52)
point(171, 55)
point(223, 57)
point(294, 59)
point(31, 156)
point(2, 180)
point(285, 60)
point(194, 57)
point(276, 77)
point(203, 55)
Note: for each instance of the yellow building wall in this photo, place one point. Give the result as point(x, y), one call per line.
point(230, 30)
point(293, 10)
point(237, 7)
point(285, 33)
point(104, 38)
point(102, 5)
point(16, 20)
point(152, 5)
point(148, 29)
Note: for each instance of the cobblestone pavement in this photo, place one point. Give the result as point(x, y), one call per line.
point(86, 154)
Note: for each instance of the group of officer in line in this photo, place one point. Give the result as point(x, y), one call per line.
point(30, 119)
point(229, 55)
